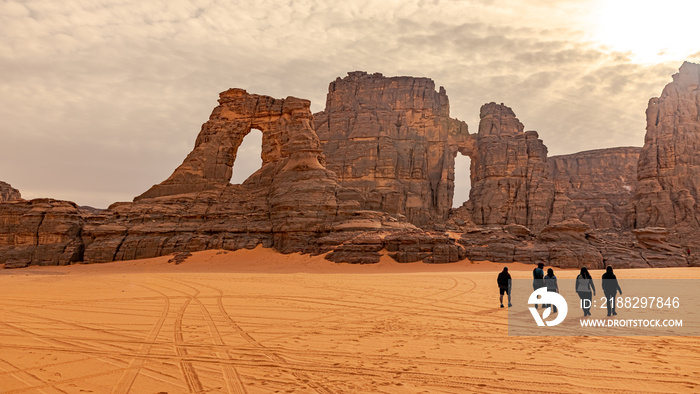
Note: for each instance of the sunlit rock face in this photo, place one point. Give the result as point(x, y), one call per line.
point(288, 140)
point(669, 165)
point(288, 204)
point(392, 140)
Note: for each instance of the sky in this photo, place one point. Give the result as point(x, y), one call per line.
point(100, 99)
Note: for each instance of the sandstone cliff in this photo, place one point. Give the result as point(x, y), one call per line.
point(8, 193)
point(509, 179)
point(40, 232)
point(287, 204)
point(668, 194)
point(600, 183)
point(380, 178)
point(393, 140)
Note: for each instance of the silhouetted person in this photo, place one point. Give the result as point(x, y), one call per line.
point(610, 288)
point(584, 286)
point(538, 277)
point(504, 282)
point(551, 282)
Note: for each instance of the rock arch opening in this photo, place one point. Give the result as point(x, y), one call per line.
point(462, 180)
point(248, 157)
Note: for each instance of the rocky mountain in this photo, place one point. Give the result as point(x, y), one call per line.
point(375, 171)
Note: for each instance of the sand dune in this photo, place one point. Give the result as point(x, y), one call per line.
point(257, 321)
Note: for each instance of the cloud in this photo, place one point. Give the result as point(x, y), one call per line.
point(102, 98)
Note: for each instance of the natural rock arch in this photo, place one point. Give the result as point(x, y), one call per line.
point(248, 157)
point(462, 180)
point(287, 134)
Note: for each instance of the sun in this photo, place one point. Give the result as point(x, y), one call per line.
point(651, 31)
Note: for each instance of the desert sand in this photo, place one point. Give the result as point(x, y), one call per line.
point(257, 321)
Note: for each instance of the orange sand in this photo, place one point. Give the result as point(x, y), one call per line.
point(258, 321)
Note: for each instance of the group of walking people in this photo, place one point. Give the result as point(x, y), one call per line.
point(585, 288)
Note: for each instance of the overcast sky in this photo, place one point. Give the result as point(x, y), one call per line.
point(100, 99)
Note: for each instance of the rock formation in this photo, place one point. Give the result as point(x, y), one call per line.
point(509, 178)
point(378, 179)
point(600, 184)
point(40, 232)
point(393, 140)
point(287, 204)
point(668, 194)
point(8, 193)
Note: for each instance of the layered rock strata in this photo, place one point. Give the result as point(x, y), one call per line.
point(668, 194)
point(509, 178)
point(380, 179)
point(289, 204)
point(40, 232)
point(393, 140)
point(600, 184)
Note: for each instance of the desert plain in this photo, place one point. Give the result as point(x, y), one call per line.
point(257, 321)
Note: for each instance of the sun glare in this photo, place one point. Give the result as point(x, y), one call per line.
point(651, 31)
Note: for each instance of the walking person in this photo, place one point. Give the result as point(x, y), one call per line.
point(550, 282)
point(538, 278)
point(610, 288)
point(584, 287)
point(504, 285)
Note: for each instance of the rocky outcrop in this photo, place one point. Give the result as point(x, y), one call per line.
point(392, 139)
point(289, 144)
point(564, 245)
point(402, 246)
point(40, 232)
point(378, 180)
point(668, 194)
point(8, 193)
point(291, 202)
point(600, 184)
point(510, 180)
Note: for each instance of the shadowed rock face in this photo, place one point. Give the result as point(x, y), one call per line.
point(40, 232)
point(668, 194)
point(509, 178)
point(600, 184)
point(8, 193)
point(393, 140)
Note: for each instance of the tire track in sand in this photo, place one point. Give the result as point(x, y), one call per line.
point(233, 381)
point(127, 379)
point(188, 372)
point(270, 354)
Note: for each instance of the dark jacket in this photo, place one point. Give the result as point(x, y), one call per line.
point(551, 282)
point(538, 278)
point(503, 280)
point(610, 285)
